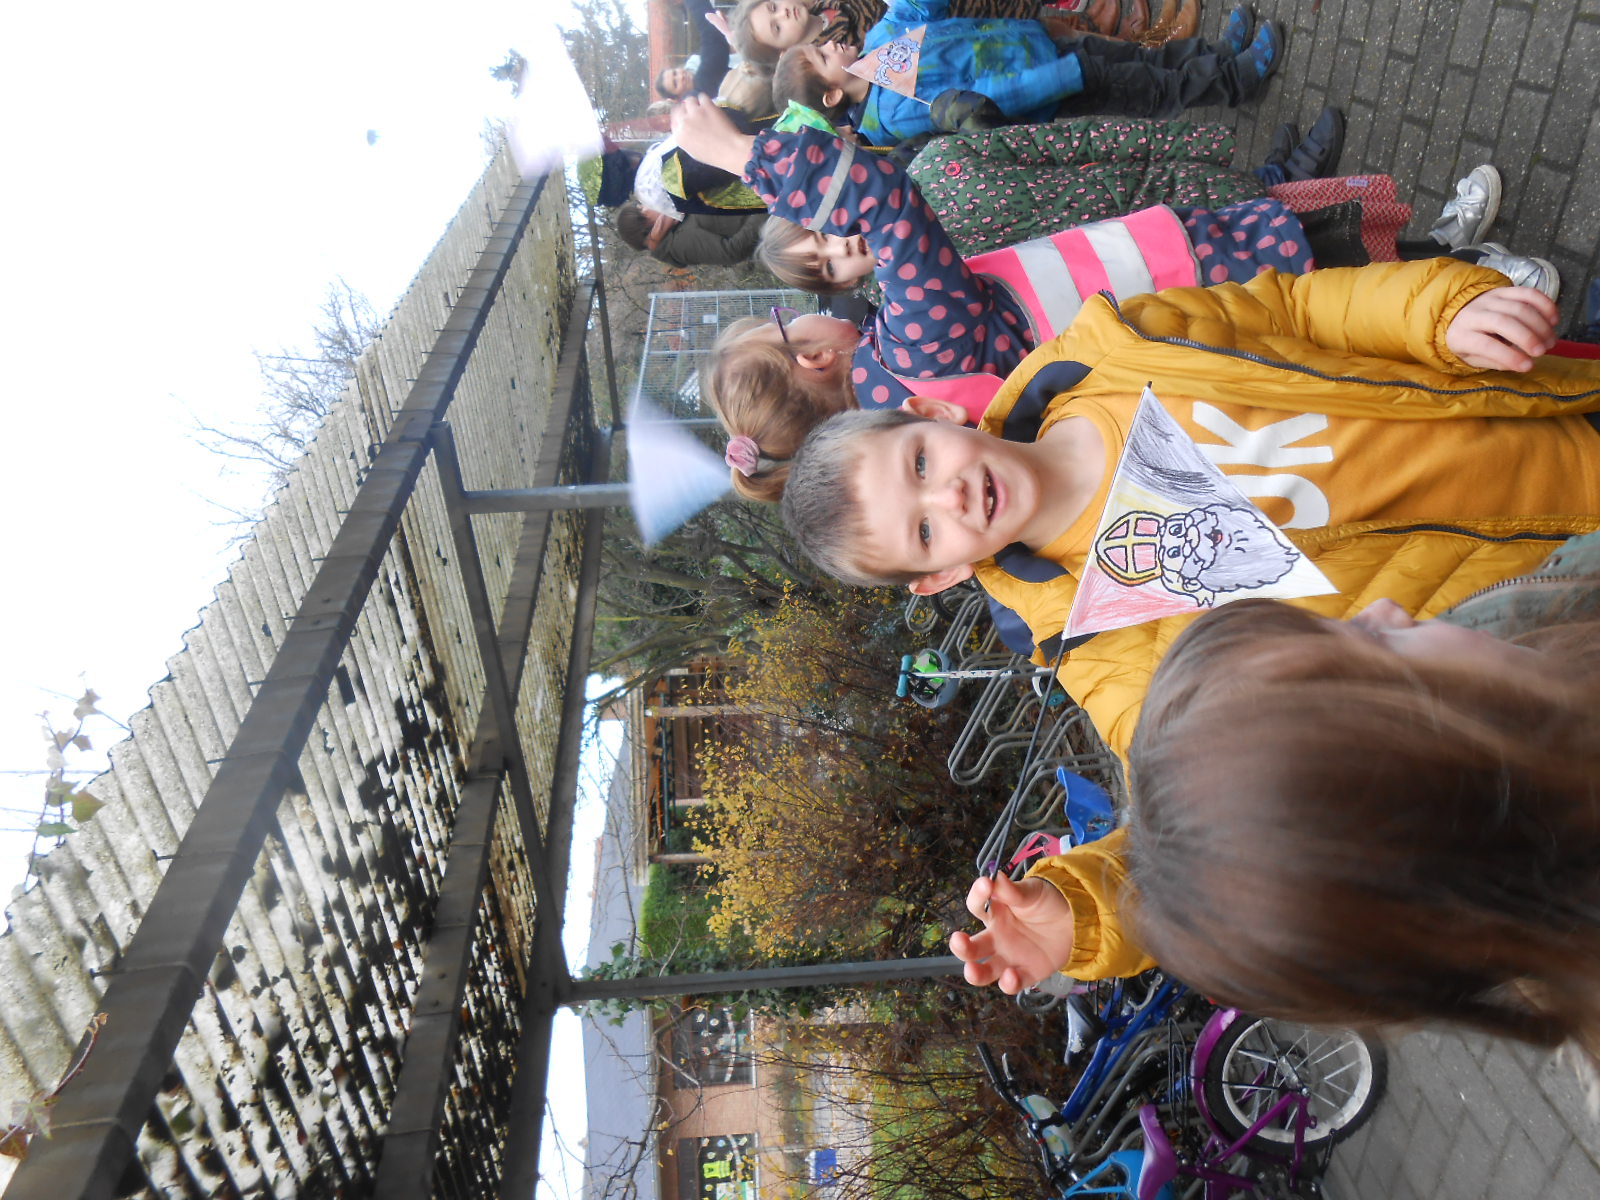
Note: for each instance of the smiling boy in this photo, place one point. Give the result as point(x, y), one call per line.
point(1346, 404)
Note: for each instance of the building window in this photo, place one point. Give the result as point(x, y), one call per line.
point(717, 1168)
point(711, 1047)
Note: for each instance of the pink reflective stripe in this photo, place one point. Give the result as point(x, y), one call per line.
point(1079, 255)
point(1005, 266)
point(1167, 249)
point(973, 392)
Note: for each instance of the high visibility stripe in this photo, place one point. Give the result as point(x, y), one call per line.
point(1059, 296)
point(1168, 252)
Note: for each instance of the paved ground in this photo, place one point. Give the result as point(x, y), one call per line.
point(1468, 1117)
point(1431, 90)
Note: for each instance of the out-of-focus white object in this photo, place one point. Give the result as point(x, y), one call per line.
point(671, 473)
point(550, 121)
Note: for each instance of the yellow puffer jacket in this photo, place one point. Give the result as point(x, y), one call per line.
point(1367, 342)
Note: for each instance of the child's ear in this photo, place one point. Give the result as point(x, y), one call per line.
point(817, 360)
point(832, 97)
point(935, 409)
point(938, 581)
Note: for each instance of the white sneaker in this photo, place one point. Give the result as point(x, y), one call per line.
point(1467, 217)
point(1523, 271)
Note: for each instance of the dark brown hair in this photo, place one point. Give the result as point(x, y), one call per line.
point(1327, 832)
point(633, 227)
point(795, 78)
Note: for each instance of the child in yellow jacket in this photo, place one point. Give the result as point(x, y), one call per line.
point(1367, 412)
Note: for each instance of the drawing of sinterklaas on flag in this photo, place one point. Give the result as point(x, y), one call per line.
point(894, 64)
point(1177, 537)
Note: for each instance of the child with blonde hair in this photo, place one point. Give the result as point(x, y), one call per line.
point(1367, 412)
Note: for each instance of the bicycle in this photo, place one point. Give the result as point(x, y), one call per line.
point(1257, 1111)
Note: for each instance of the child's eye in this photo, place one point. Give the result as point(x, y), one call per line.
point(827, 269)
point(925, 532)
point(922, 465)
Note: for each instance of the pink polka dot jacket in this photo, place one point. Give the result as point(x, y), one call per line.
point(939, 318)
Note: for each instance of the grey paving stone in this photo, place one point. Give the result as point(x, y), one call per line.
point(1381, 1170)
point(1405, 34)
point(1425, 1155)
point(1539, 207)
point(1572, 102)
point(1520, 1172)
point(1472, 30)
point(1375, 51)
point(1576, 1178)
point(1518, 143)
point(1439, 164)
point(1406, 158)
point(1496, 72)
point(1526, 1103)
point(1346, 61)
point(1567, 1093)
point(1361, 122)
point(1484, 1108)
point(1319, 57)
point(1422, 96)
point(1546, 41)
point(1468, 1165)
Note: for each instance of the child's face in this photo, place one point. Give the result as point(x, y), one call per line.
point(678, 81)
point(779, 24)
point(843, 259)
point(940, 497)
point(830, 345)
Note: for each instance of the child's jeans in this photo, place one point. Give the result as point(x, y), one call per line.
point(1135, 81)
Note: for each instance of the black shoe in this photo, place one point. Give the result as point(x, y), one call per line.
point(1284, 139)
point(1317, 156)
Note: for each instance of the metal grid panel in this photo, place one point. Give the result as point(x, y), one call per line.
point(678, 339)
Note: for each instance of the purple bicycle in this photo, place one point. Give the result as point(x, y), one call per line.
point(1253, 1108)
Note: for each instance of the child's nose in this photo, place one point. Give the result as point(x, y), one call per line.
point(954, 496)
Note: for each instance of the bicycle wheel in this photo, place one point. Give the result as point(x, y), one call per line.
point(1258, 1060)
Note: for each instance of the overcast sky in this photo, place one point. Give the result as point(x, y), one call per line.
point(186, 179)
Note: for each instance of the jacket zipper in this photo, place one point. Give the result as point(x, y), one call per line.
point(1526, 535)
point(1537, 579)
point(1301, 369)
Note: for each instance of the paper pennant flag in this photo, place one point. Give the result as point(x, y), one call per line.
point(671, 473)
point(1176, 537)
point(893, 65)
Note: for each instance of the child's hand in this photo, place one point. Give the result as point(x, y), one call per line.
point(705, 133)
point(1504, 329)
point(659, 228)
point(1027, 934)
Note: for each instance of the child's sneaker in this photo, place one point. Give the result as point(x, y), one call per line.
point(1260, 58)
point(1523, 271)
point(1467, 217)
point(1236, 33)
